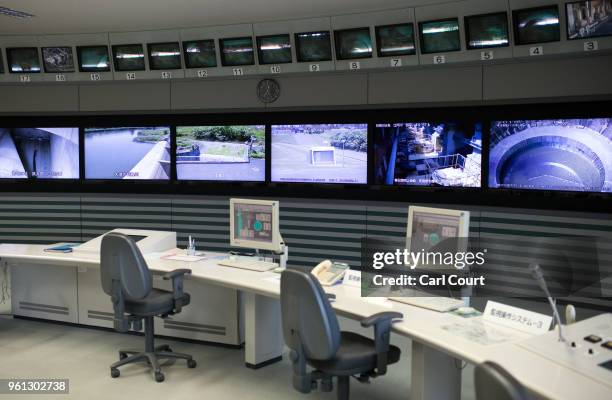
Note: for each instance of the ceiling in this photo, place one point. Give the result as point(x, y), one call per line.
point(82, 16)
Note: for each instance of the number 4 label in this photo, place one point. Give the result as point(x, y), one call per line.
point(536, 51)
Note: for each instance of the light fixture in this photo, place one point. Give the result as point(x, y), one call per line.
point(9, 12)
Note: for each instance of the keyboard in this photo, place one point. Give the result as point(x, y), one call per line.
point(435, 303)
point(251, 265)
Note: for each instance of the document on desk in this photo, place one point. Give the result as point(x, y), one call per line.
point(482, 332)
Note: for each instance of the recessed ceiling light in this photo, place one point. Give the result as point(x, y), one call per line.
point(9, 12)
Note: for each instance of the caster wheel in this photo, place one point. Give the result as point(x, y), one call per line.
point(159, 377)
point(115, 373)
point(191, 363)
point(122, 356)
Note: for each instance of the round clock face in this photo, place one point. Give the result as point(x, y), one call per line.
point(268, 90)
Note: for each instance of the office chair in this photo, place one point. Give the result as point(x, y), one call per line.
point(495, 383)
point(311, 331)
point(126, 278)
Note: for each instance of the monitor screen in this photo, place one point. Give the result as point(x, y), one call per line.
point(23, 59)
point(58, 59)
point(43, 153)
point(588, 19)
point(1, 63)
point(395, 40)
point(200, 54)
point(536, 25)
point(221, 153)
point(129, 57)
point(563, 154)
point(127, 153)
point(353, 43)
point(428, 154)
point(324, 153)
point(164, 56)
point(484, 31)
point(237, 51)
point(93, 59)
point(313, 46)
point(253, 222)
point(274, 49)
point(440, 36)
point(429, 229)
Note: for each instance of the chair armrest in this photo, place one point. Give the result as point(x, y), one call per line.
point(175, 273)
point(377, 318)
point(177, 286)
point(330, 296)
point(382, 333)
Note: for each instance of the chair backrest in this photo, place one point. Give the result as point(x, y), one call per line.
point(122, 261)
point(308, 319)
point(494, 382)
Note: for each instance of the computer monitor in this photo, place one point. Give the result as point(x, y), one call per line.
point(236, 51)
point(1, 63)
point(588, 19)
point(200, 53)
point(353, 43)
point(254, 224)
point(440, 36)
point(536, 25)
point(274, 49)
point(395, 40)
point(23, 60)
point(313, 46)
point(129, 57)
point(58, 59)
point(164, 56)
point(486, 31)
point(93, 59)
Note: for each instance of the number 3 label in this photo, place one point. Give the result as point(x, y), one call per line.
point(591, 45)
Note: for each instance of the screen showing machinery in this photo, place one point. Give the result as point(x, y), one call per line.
point(221, 153)
point(587, 19)
point(313, 46)
point(395, 40)
point(353, 43)
point(58, 59)
point(237, 51)
point(129, 57)
point(93, 59)
point(23, 59)
point(536, 25)
point(42, 153)
point(253, 222)
point(200, 53)
point(428, 154)
point(164, 56)
point(324, 153)
point(440, 36)
point(127, 153)
point(485, 31)
point(274, 49)
point(561, 154)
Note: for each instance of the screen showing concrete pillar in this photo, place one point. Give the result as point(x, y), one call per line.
point(323, 153)
point(23, 59)
point(485, 31)
point(563, 154)
point(221, 153)
point(58, 59)
point(395, 40)
point(428, 154)
point(237, 51)
point(39, 153)
point(536, 25)
point(313, 46)
point(200, 53)
point(588, 19)
point(164, 56)
point(127, 153)
point(440, 36)
point(353, 43)
point(129, 57)
point(93, 58)
point(274, 49)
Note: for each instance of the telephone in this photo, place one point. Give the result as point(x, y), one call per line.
point(328, 273)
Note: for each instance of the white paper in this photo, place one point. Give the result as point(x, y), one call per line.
point(479, 331)
point(178, 257)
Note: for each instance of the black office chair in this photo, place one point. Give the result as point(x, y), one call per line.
point(126, 278)
point(311, 330)
point(495, 383)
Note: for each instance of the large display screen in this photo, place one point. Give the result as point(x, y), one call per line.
point(428, 154)
point(93, 58)
point(23, 59)
point(127, 153)
point(588, 19)
point(164, 56)
point(274, 49)
point(562, 154)
point(353, 43)
point(440, 36)
point(221, 153)
point(324, 153)
point(200, 53)
point(129, 57)
point(58, 59)
point(42, 153)
point(313, 46)
point(395, 40)
point(484, 31)
point(536, 25)
point(1, 64)
point(237, 51)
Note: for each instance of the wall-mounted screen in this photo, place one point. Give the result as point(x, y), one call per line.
point(1, 63)
point(237, 51)
point(313, 46)
point(563, 154)
point(484, 31)
point(221, 153)
point(353, 43)
point(127, 153)
point(93, 59)
point(23, 59)
point(536, 25)
point(58, 59)
point(200, 53)
point(274, 49)
point(588, 19)
point(428, 154)
point(395, 40)
point(42, 153)
point(324, 153)
point(129, 57)
point(164, 55)
point(440, 36)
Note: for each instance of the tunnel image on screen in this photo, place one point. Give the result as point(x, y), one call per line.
point(93, 58)
point(221, 153)
point(164, 56)
point(395, 40)
point(127, 153)
point(587, 19)
point(23, 59)
point(353, 43)
point(58, 59)
point(536, 25)
point(200, 53)
point(274, 49)
point(440, 36)
point(485, 31)
point(563, 154)
point(42, 153)
point(237, 51)
point(428, 154)
point(325, 153)
point(129, 57)
point(313, 46)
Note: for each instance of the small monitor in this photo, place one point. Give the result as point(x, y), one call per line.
point(237, 51)
point(221, 153)
point(353, 43)
point(395, 40)
point(58, 59)
point(200, 53)
point(129, 57)
point(440, 36)
point(23, 60)
point(486, 31)
point(274, 49)
point(536, 25)
point(313, 46)
point(429, 228)
point(164, 56)
point(93, 59)
point(254, 224)
point(589, 19)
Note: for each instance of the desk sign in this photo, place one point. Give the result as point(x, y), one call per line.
point(517, 318)
point(352, 278)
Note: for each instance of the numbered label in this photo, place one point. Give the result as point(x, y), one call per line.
point(486, 55)
point(354, 65)
point(536, 51)
point(441, 59)
point(275, 69)
point(396, 62)
point(60, 78)
point(314, 68)
point(166, 75)
point(95, 77)
point(237, 71)
point(591, 45)
point(130, 76)
point(25, 78)
point(202, 73)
